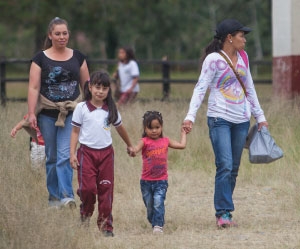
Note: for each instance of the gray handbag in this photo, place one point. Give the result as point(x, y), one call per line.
point(261, 145)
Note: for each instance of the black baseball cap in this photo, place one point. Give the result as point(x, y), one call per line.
point(229, 26)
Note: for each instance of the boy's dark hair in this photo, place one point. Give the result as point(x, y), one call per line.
point(129, 53)
point(148, 117)
point(102, 78)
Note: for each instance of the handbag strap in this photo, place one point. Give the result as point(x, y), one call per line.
point(235, 72)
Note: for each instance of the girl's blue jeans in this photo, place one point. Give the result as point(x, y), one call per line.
point(228, 140)
point(59, 173)
point(154, 195)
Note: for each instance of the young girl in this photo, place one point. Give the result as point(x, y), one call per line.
point(92, 120)
point(154, 179)
point(128, 76)
point(37, 144)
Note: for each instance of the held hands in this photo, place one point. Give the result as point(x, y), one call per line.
point(131, 151)
point(182, 130)
point(187, 126)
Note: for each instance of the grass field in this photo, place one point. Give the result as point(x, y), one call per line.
point(266, 198)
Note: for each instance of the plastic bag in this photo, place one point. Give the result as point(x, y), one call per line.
point(262, 147)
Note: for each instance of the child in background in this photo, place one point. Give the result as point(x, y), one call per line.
point(92, 121)
point(127, 76)
point(37, 145)
point(154, 179)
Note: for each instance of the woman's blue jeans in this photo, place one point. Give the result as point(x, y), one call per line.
point(57, 148)
point(228, 140)
point(154, 195)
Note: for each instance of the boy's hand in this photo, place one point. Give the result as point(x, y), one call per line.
point(74, 162)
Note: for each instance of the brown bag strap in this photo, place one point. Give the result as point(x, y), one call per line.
point(235, 72)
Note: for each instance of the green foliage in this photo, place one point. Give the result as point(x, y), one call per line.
point(177, 28)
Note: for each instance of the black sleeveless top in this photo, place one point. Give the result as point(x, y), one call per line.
point(60, 80)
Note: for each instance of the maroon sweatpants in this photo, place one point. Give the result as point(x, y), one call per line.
point(96, 178)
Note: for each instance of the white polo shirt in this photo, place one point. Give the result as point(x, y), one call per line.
point(92, 121)
point(126, 74)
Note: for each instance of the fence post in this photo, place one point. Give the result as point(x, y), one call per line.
point(2, 81)
point(165, 78)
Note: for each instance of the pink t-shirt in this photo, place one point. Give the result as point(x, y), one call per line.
point(155, 159)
